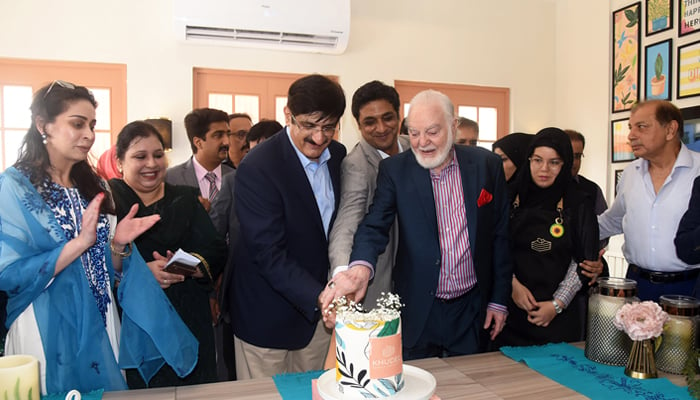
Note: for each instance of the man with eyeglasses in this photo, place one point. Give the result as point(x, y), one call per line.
point(652, 195)
point(453, 269)
point(467, 132)
point(587, 186)
point(375, 107)
point(286, 195)
point(239, 125)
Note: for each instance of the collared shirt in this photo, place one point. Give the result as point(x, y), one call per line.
point(649, 220)
point(385, 155)
point(320, 180)
point(457, 275)
point(200, 172)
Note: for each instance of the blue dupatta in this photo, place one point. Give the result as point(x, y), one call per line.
point(76, 345)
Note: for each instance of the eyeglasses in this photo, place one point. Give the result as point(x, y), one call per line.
point(63, 84)
point(578, 156)
point(552, 164)
point(308, 127)
point(239, 134)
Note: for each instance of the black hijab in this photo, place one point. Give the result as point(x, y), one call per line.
point(514, 146)
point(532, 195)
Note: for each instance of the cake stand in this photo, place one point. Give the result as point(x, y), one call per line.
point(418, 385)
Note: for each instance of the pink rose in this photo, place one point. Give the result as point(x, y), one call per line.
point(641, 321)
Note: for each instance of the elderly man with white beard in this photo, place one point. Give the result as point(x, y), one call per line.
point(453, 269)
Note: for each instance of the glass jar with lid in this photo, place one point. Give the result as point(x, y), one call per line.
point(604, 342)
point(678, 340)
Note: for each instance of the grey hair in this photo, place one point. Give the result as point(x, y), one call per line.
point(430, 96)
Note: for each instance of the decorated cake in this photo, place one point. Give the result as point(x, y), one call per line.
point(368, 348)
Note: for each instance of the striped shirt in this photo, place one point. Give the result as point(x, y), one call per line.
point(457, 275)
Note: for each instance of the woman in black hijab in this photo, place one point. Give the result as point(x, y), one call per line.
point(553, 228)
point(513, 152)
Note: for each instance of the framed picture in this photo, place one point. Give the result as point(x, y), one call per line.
point(688, 17)
point(659, 16)
point(621, 149)
point(688, 74)
point(618, 175)
point(691, 127)
point(625, 55)
point(657, 70)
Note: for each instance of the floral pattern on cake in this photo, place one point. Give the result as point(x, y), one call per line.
point(355, 333)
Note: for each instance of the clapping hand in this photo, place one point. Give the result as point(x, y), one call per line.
point(129, 228)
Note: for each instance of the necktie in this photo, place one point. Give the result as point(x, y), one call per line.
point(213, 190)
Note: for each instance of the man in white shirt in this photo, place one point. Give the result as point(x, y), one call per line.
point(652, 195)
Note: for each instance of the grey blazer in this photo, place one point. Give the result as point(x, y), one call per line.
point(358, 183)
point(183, 174)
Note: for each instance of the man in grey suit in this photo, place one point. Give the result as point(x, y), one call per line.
point(375, 107)
point(207, 129)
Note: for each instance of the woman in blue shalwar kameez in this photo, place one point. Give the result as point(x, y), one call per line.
point(60, 252)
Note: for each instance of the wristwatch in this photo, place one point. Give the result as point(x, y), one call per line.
point(557, 308)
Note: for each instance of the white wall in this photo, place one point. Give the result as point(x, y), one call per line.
point(510, 43)
point(582, 80)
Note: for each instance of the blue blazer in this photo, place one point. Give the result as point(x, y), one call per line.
point(281, 262)
point(404, 189)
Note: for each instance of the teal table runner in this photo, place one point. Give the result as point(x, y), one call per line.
point(94, 395)
point(296, 386)
point(568, 366)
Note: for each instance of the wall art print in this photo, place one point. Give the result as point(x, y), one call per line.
point(618, 176)
point(625, 68)
point(621, 149)
point(688, 75)
point(659, 16)
point(688, 17)
point(657, 70)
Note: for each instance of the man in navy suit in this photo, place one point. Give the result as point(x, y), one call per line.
point(453, 269)
point(286, 196)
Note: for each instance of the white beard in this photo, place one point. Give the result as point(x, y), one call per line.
point(437, 160)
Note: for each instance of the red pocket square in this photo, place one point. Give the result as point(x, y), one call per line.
point(484, 198)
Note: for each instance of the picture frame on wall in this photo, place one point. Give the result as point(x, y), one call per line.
point(658, 71)
point(618, 175)
point(625, 55)
point(621, 149)
point(688, 17)
point(659, 16)
point(691, 127)
point(688, 70)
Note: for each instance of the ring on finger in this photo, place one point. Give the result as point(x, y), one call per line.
point(165, 281)
point(331, 285)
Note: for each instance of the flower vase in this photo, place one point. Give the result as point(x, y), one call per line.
point(641, 363)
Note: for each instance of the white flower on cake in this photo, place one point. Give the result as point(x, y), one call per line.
point(369, 362)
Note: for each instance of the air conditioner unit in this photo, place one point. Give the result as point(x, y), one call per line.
point(320, 26)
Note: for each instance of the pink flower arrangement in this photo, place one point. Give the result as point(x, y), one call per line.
point(641, 321)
